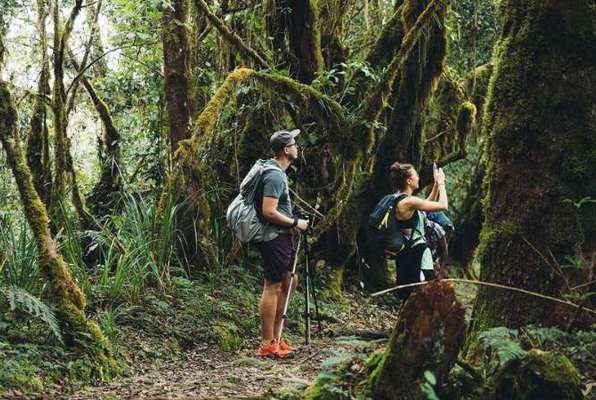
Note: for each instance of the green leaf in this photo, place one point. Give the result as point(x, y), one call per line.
point(430, 377)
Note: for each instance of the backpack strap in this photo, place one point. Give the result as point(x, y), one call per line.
point(399, 197)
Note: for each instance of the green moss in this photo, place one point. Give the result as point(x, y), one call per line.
point(466, 117)
point(446, 121)
point(206, 120)
point(334, 286)
point(377, 363)
point(476, 87)
point(539, 375)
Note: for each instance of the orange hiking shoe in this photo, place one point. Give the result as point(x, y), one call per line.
point(268, 350)
point(284, 346)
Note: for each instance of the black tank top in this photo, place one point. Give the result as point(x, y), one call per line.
point(409, 223)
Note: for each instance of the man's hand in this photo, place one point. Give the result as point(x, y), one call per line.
point(302, 224)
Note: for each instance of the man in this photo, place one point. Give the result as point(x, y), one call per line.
point(276, 208)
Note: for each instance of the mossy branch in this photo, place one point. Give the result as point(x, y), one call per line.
point(231, 36)
point(206, 120)
point(65, 34)
point(331, 115)
point(112, 135)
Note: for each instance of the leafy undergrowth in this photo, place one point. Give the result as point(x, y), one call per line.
point(199, 334)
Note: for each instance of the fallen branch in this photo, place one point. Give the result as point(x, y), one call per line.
point(489, 284)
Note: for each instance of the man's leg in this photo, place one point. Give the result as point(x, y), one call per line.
point(284, 293)
point(268, 306)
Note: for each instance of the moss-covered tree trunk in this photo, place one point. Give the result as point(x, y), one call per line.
point(61, 146)
point(2, 47)
point(176, 52)
point(412, 89)
point(298, 19)
point(332, 27)
point(61, 35)
point(540, 123)
point(38, 147)
point(304, 39)
point(61, 290)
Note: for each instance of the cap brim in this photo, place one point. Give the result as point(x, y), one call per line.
point(295, 132)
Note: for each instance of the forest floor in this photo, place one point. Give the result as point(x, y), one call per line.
point(199, 342)
point(207, 372)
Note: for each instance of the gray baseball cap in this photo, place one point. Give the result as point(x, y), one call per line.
point(281, 139)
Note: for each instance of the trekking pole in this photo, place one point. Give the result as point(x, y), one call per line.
point(287, 300)
point(310, 274)
point(306, 290)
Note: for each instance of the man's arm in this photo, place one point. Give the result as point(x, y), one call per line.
point(271, 214)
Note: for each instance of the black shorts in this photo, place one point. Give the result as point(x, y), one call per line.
point(278, 256)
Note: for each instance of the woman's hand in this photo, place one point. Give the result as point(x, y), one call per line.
point(439, 176)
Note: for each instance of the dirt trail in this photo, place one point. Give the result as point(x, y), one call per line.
point(206, 374)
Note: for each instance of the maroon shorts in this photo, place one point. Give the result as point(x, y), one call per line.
point(278, 257)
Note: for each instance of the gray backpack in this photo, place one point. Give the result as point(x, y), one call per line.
point(242, 216)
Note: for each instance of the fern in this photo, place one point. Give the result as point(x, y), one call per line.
point(340, 357)
point(503, 342)
point(21, 299)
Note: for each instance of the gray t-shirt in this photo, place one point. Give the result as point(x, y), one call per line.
point(275, 184)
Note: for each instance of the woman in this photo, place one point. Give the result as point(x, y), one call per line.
point(410, 219)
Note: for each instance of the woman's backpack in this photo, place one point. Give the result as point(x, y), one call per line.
point(383, 233)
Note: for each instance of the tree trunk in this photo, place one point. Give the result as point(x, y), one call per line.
point(61, 36)
point(332, 15)
point(428, 337)
point(540, 112)
point(96, 48)
point(38, 147)
point(176, 52)
point(305, 40)
point(469, 222)
point(61, 289)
